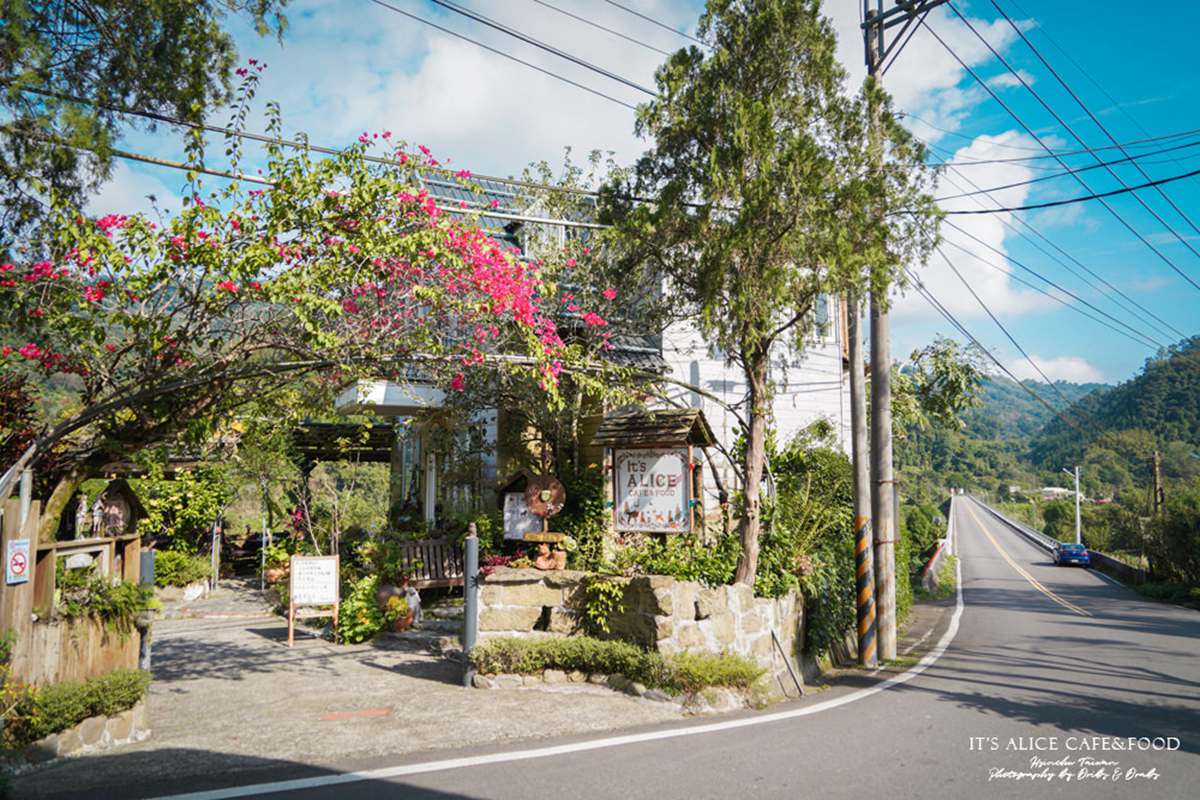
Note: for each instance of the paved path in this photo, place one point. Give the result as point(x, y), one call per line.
point(1045, 660)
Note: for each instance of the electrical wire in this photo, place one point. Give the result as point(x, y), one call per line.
point(549, 48)
point(598, 26)
point(1083, 198)
point(662, 25)
point(1039, 139)
point(1042, 178)
point(503, 54)
point(1096, 121)
point(1001, 326)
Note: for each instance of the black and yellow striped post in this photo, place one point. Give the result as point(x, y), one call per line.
point(864, 563)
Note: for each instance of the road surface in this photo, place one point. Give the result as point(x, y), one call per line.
point(1057, 664)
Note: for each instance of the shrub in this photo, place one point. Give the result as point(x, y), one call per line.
point(55, 708)
point(684, 557)
point(175, 568)
point(359, 617)
point(602, 600)
point(83, 594)
point(681, 673)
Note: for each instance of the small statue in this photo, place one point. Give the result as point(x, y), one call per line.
point(98, 515)
point(81, 516)
point(413, 597)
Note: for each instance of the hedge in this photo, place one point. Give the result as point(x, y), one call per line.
point(42, 711)
point(173, 568)
point(683, 673)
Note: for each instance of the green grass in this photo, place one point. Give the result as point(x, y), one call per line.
point(946, 584)
point(684, 673)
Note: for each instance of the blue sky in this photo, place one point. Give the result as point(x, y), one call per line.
point(348, 66)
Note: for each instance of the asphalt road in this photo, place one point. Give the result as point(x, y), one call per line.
point(1045, 663)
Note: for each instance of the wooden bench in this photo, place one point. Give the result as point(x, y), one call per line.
point(433, 563)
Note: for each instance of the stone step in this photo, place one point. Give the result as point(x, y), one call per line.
point(448, 626)
point(445, 612)
point(433, 642)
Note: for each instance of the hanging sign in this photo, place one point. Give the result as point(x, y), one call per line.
point(652, 490)
point(313, 586)
point(16, 561)
point(518, 519)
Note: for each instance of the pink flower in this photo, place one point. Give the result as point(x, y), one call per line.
point(110, 347)
point(458, 382)
point(423, 149)
point(570, 262)
point(463, 173)
point(5, 351)
point(495, 204)
point(609, 293)
point(387, 134)
point(364, 137)
point(93, 294)
point(228, 286)
point(595, 320)
point(30, 350)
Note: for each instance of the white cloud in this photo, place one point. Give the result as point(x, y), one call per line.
point(1061, 368)
point(130, 191)
point(1007, 80)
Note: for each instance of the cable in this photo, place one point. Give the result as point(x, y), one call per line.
point(653, 21)
point(549, 48)
point(1084, 198)
point(498, 52)
point(1099, 125)
point(1113, 292)
point(1000, 325)
point(933, 301)
point(1065, 174)
point(1138, 337)
point(598, 26)
point(1043, 155)
point(1038, 139)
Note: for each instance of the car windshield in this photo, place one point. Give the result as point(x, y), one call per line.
point(1072, 548)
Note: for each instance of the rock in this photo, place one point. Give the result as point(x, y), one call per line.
point(664, 627)
point(714, 700)
point(708, 602)
point(507, 681)
point(562, 621)
point(121, 726)
point(636, 689)
point(752, 622)
point(483, 682)
point(509, 619)
point(741, 597)
point(554, 676)
point(522, 594)
point(575, 676)
point(141, 717)
point(657, 696)
point(531, 680)
point(91, 730)
point(69, 742)
point(618, 682)
point(598, 678)
point(42, 750)
point(688, 635)
point(194, 591)
point(723, 625)
point(762, 649)
point(665, 600)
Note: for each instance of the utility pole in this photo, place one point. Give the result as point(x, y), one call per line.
point(1078, 519)
point(1159, 495)
point(876, 23)
point(864, 560)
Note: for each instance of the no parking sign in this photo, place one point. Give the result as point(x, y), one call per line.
point(16, 561)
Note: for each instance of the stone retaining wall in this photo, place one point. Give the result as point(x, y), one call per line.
point(660, 613)
point(93, 734)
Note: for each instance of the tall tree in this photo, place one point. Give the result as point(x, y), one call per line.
point(165, 56)
point(764, 195)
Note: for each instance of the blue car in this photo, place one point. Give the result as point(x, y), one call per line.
point(1072, 554)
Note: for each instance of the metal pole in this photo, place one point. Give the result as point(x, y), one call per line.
point(26, 493)
point(864, 556)
point(470, 602)
point(1079, 527)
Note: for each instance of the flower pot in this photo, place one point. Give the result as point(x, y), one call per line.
point(403, 623)
point(274, 575)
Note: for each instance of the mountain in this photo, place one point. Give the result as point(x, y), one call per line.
point(1009, 413)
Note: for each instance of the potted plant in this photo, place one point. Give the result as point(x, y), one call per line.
point(397, 614)
point(277, 564)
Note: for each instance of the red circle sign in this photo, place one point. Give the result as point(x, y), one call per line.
point(16, 564)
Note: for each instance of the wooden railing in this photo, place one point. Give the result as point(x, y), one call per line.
point(433, 562)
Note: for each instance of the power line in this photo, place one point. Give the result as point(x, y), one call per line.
point(503, 54)
point(598, 26)
point(549, 48)
point(1039, 139)
point(1058, 153)
point(1001, 326)
point(1056, 175)
point(933, 301)
point(1095, 120)
point(1083, 198)
point(1136, 337)
point(1160, 325)
point(653, 21)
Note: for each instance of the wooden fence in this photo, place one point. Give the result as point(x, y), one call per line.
point(47, 651)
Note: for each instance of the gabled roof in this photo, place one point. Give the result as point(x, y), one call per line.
point(655, 428)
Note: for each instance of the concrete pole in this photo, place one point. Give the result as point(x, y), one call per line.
point(470, 601)
point(1078, 519)
point(864, 556)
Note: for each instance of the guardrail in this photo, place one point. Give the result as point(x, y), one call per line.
point(1115, 567)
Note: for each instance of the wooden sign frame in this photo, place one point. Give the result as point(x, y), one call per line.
point(686, 486)
point(313, 611)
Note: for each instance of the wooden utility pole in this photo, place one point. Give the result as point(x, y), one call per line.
point(1159, 495)
point(864, 558)
point(876, 23)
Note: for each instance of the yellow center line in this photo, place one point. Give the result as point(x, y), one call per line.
point(1023, 573)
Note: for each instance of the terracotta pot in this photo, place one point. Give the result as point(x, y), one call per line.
point(403, 623)
point(275, 574)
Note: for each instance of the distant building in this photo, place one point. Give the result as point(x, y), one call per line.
point(1056, 493)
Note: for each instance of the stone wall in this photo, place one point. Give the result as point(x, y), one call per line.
point(659, 613)
point(93, 734)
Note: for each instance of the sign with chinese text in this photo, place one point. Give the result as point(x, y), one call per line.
point(314, 581)
point(652, 491)
point(518, 519)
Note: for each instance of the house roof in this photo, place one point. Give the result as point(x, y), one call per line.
point(654, 428)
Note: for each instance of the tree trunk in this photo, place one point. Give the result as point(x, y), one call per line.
point(756, 365)
point(52, 511)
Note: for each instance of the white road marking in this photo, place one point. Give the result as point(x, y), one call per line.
point(299, 784)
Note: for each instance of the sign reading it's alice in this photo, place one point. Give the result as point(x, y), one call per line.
point(652, 490)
